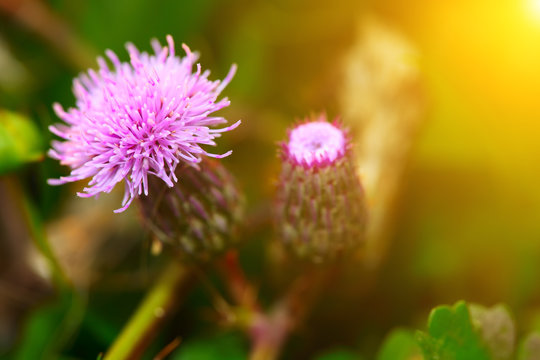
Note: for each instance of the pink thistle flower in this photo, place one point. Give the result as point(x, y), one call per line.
point(142, 118)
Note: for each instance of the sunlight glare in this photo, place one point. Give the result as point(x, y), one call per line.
point(533, 10)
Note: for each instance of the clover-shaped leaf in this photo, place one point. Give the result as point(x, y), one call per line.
point(452, 336)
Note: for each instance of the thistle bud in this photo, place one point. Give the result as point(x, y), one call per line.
point(320, 202)
point(199, 215)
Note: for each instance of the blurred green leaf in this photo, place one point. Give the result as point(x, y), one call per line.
point(93, 18)
point(20, 141)
point(530, 348)
point(101, 327)
point(50, 327)
point(496, 328)
point(223, 347)
point(452, 336)
point(340, 354)
point(399, 345)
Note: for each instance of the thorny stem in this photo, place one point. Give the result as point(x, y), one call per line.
point(269, 330)
point(157, 306)
point(163, 299)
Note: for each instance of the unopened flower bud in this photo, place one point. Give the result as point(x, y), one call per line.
point(320, 202)
point(199, 215)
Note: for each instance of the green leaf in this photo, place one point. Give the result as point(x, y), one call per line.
point(340, 354)
point(20, 141)
point(51, 327)
point(497, 329)
point(399, 345)
point(530, 348)
point(223, 347)
point(452, 336)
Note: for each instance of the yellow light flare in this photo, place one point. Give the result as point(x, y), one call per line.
point(533, 10)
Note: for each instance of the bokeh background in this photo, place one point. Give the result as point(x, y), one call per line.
point(459, 79)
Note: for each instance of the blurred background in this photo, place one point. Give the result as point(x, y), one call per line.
point(442, 99)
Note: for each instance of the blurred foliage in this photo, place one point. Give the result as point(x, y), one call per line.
point(223, 346)
point(467, 221)
point(50, 328)
point(530, 348)
point(340, 354)
point(20, 141)
point(460, 332)
point(400, 344)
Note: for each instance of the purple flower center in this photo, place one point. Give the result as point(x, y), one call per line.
point(316, 143)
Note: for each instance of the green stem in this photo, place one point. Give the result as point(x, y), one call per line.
point(157, 306)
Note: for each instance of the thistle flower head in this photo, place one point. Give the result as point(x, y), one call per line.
point(316, 143)
point(141, 118)
point(320, 210)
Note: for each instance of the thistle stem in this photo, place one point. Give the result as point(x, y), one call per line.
point(240, 288)
point(269, 332)
point(264, 351)
point(158, 305)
